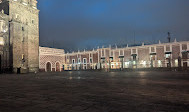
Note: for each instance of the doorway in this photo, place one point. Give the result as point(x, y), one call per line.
point(48, 67)
point(57, 67)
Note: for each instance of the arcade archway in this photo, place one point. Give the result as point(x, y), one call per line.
point(58, 67)
point(48, 67)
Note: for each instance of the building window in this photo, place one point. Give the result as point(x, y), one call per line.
point(185, 55)
point(103, 60)
point(22, 56)
point(32, 21)
point(121, 52)
point(73, 61)
point(133, 51)
point(91, 60)
point(176, 63)
point(134, 58)
point(16, 16)
point(79, 60)
point(84, 60)
point(152, 57)
point(67, 60)
point(152, 49)
point(103, 53)
point(121, 59)
point(184, 46)
point(168, 48)
point(159, 63)
point(111, 59)
point(167, 55)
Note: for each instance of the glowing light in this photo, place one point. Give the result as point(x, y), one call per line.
point(159, 63)
point(1, 41)
point(134, 62)
point(176, 62)
point(127, 63)
point(144, 62)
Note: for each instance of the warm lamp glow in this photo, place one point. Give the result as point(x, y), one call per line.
point(1, 41)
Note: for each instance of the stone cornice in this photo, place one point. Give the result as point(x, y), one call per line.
point(30, 8)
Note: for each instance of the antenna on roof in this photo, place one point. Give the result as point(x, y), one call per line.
point(169, 37)
point(134, 37)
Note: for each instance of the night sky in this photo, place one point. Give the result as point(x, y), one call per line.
point(84, 24)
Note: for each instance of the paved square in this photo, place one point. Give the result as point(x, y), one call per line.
point(95, 92)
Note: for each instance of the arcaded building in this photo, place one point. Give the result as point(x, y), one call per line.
point(161, 55)
point(19, 36)
point(51, 59)
point(175, 54)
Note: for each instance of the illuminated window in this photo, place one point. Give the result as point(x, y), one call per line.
point(134, 62)
point(153, 57)
point(16, 16)
point(111, 59)
point(22, 56)
point(159, 63)
point(176, 63)
point(167, 55)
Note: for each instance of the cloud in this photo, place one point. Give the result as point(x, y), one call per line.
point(88, 23)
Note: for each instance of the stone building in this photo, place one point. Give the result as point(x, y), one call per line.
point(161, 55)
point(175, 54)
point(51, 59)
point(19, 35)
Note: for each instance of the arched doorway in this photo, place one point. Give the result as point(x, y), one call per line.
point(57, 67)
point(48, 67)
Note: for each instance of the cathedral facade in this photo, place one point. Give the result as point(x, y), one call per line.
point(19, 36)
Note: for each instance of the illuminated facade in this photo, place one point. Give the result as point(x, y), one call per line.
point(161, 55)
point(175, 54)
point(19, 36)
point(51, 59)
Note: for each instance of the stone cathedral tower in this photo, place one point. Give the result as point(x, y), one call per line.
point(21, 40)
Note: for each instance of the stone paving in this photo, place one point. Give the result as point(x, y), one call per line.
point(95, 92)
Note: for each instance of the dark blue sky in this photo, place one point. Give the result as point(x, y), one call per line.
point(79, 24)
